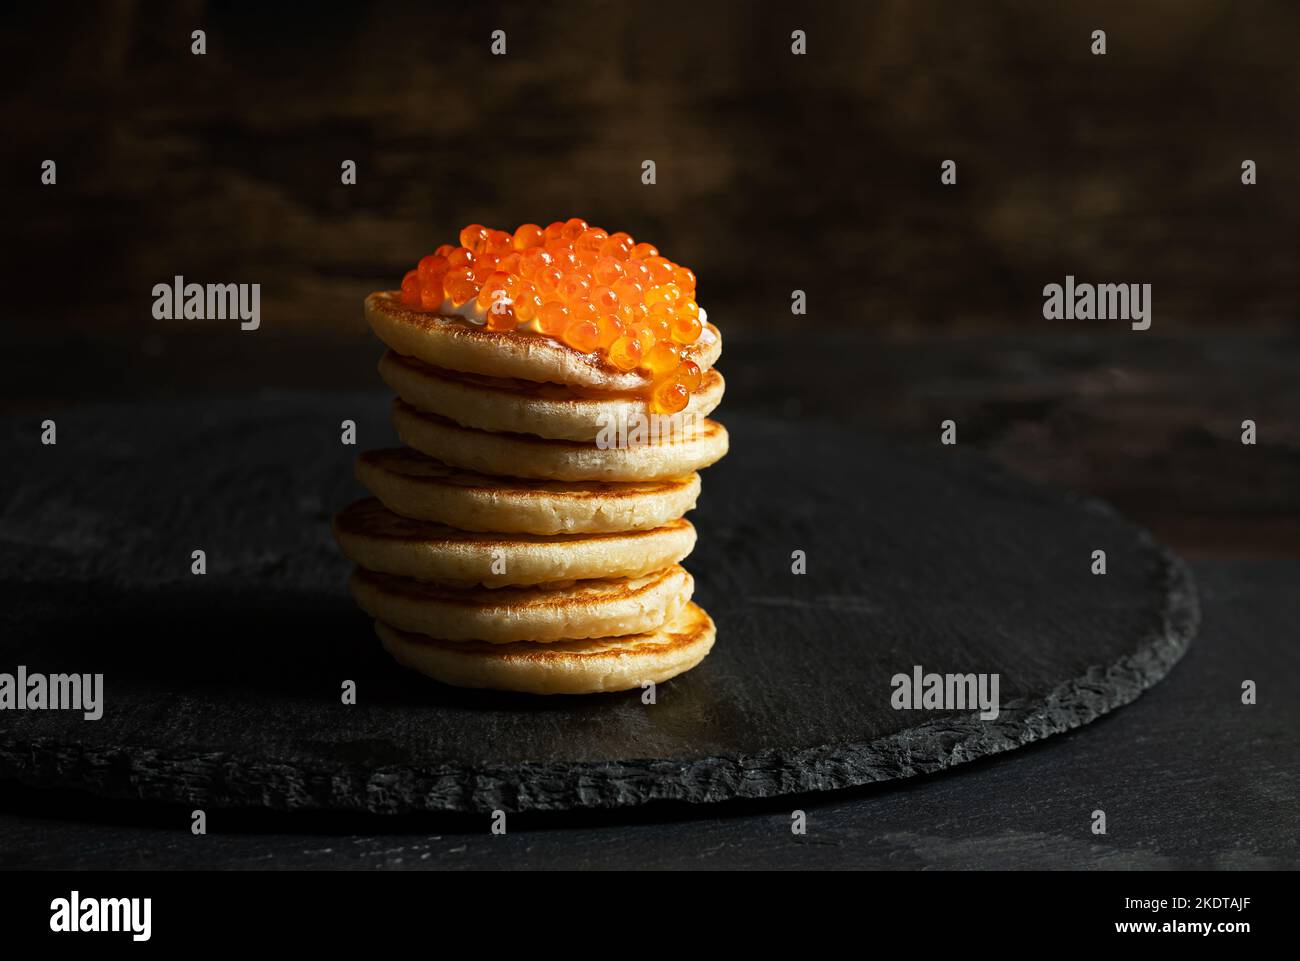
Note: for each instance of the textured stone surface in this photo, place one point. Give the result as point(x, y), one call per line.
point(224, 690)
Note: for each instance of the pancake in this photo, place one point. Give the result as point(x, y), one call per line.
point(413, 485)
point(375, 538)
point(565, 667)
point(522, 455)
point(458, 344)
point(498, 615)
point(522, 406)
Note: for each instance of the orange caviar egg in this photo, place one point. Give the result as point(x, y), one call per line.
point(495, 282)
point(502, 316)
point(660, 312)
point(684, 328)
point(605, 299)
point(662, 328)
point(459, 285)
point(611, 329)
point(582, 335)
point(566, 259)
point(510, 263)
point(553, 317)
point(642, 251)
point(526, 237)
point(688, 307)
point(532, 260)
point(547, 281)
point(628, 291)
point(584, 310)
point(617, 246)
point(498, 242)
point(573, 288)
point(527, 302)
point(474, 237)
point(445, 249)
point(662, 295)
point(590, 241)
point(411, 289)
point(637, 271)
point(460, 257)
point(661, 359)
point(689, 375)
point(563, 257)
point(661, 270)
point(607, 270)
point(625, 353)
point(551, 234)
point(430, 267)
point(431, 297)
point(647, 338)
point(669, 396)
point(573, 229)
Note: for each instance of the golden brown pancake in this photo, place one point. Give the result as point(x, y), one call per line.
point(375, 538)
point(522, 455)
point(517, 406)
point(565, 667)
point(414, 485)
point(593, 608)
point(458, 344)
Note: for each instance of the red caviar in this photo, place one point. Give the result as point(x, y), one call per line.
point(582, 286)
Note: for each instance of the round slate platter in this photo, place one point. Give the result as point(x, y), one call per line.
point(224, 689)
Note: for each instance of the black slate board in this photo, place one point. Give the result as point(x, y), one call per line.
point(1189, 777)
point(223, 690)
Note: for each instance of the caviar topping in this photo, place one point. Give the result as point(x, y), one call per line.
point(584, 287)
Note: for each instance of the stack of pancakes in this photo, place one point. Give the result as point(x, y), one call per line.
point(512, 546)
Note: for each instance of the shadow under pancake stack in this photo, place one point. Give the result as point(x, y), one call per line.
point(553, 390)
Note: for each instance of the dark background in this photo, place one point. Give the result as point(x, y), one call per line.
point(775, 172)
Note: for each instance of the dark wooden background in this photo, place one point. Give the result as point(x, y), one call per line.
point(775, 172)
